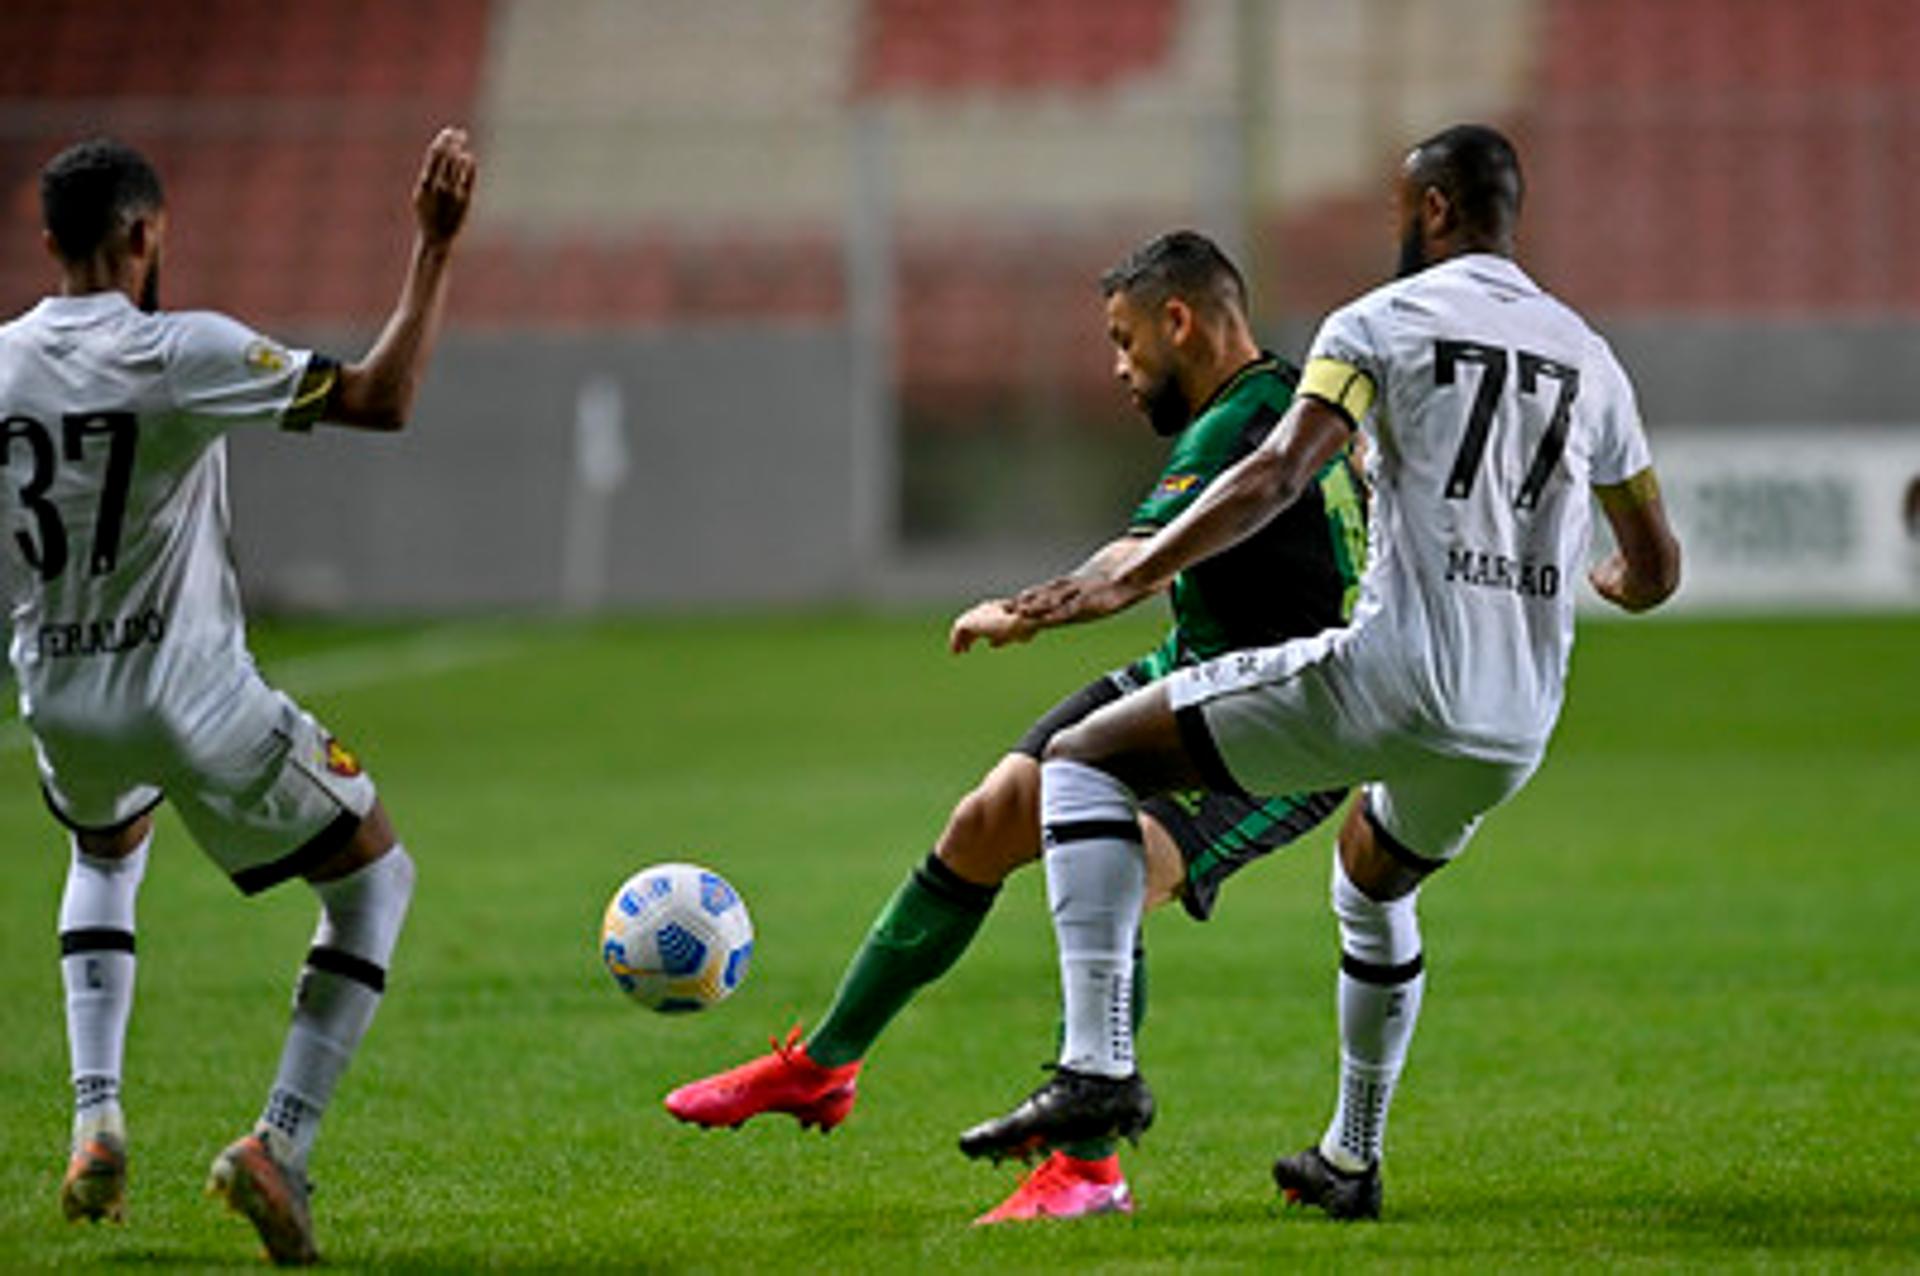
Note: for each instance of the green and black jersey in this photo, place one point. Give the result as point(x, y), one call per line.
point(1296, 576)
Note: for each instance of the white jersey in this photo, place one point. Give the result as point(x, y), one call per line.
point(1495, 407)
point(113, 500)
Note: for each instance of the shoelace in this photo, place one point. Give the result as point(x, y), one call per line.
point(790, 1047)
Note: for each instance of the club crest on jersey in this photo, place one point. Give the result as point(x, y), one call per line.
point(1176, 484)
point(340, 760)
point(265, 358)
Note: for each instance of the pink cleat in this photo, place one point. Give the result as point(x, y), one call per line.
point(95, 1186)
point(1065, 1187)
point(784, 1081)
point(272, 1196)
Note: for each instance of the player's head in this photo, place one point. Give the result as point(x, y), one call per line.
point(105, 214)
point(1459, 191)
point(1165, 302)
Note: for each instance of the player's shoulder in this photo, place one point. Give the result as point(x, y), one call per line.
point(1260, 391)
point(213, 345)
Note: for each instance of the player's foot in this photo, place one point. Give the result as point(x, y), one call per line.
point(273, 1196)
point(95, 1187)
point(1065, 1187)
point(1072, 1107)
point(1308, 1178)
point(785, 1080)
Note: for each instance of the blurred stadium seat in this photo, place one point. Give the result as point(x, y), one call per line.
point(653, 165)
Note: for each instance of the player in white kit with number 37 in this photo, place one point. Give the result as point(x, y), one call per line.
point(1493, 410)
point(130, 647)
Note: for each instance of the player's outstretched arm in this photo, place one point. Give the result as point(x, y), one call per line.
point(1644, 570)
point(377, 392)
point(999, 621)
point(1234, 506)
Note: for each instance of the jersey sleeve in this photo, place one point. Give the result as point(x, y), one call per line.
point(1199, 455)
point(1345, 367)
point(229, 376)
point(1620, 448)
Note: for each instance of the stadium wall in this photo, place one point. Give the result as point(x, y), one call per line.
point(572, 472)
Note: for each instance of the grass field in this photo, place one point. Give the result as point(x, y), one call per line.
point(1673, 1018)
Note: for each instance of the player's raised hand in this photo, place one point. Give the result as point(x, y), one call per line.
point(445, 190)
point(994, 622)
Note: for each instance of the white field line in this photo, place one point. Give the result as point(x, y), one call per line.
point(366, 664)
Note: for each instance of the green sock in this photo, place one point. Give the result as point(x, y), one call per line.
point(918, 936)
point(1101, 1149)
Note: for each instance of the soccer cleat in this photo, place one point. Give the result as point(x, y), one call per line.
point(785, 1080)
point(253, 1182)
point(1065, 1187)
point(1308, 1178)
point(95, 1187)
point(1072, 1107)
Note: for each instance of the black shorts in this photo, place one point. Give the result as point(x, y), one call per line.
point(1218, 833)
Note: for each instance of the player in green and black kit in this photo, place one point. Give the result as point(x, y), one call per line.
point(1177, 317)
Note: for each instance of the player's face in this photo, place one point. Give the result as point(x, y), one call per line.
point(1143, 355)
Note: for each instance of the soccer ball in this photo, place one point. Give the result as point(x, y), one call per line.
point(676, 937)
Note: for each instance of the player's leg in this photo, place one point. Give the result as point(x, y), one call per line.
point(1193, 842)
point(1380, 987)
point(1434, 803)
point(88, 777)
point(364, 890)
point(937, 910)
point(917, 937)
point(97, 971)
point(271, 797)
point(1096, 887)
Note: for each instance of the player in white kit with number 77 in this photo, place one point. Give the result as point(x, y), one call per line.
point(1494, 410)
point(130, 647)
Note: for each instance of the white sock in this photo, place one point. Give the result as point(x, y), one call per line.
point(334, 1002)
point(1382, 979)
point(1096, 884)
point(97, 970)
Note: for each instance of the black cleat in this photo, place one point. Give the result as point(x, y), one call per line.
point(1070, 1108)
point(1308, 1178)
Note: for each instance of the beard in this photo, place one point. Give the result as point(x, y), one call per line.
point(1413, 253)
point(1166, 406)
point(150, 290)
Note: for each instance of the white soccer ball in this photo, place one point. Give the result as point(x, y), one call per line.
point(677, 937)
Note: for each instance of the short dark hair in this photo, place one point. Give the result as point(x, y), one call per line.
point(1478, 170)
point(92, 189)
point(1180, 263)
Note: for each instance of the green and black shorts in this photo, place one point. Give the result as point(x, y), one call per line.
point(1218, 833)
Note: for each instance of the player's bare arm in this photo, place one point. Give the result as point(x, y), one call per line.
point(1644, 569)
point(1236, 505)
point(377, 392)
point(998, 622)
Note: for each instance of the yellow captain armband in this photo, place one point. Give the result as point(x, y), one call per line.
point(1340, 386)
point(1636, 491)
point(310, 396)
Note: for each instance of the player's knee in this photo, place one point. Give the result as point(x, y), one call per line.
point(1375, 931)
point(992, 830)
point(362, 913)
point(1071, 745)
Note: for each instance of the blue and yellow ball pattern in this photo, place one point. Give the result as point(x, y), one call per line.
point(677, 937)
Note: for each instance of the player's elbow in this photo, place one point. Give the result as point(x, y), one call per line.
point(372, 402)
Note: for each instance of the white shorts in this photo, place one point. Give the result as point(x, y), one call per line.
point(1296, 717)
point(261, 785)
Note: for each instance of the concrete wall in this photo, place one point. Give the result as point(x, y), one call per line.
point(738, 482)
point(742, 476)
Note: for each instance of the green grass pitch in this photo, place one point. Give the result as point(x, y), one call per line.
point(1673, 1018)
